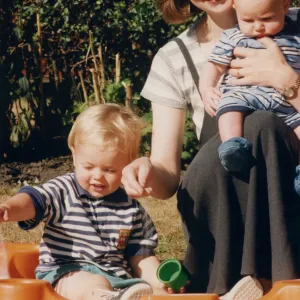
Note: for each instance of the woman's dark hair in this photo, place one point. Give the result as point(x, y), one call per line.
point(176, 11)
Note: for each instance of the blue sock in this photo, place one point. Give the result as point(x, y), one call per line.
point(297, 180)
point(236, 155)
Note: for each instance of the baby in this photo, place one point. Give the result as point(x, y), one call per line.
point(256, 19)
point(97, 243)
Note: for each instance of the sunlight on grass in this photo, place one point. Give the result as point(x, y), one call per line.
point(168, 224)
point(163, 212)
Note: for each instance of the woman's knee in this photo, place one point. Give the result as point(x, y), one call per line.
point(199, 178)
point(264, 121)
point(205, 164)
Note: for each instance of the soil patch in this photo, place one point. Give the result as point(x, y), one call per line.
point(16, 173)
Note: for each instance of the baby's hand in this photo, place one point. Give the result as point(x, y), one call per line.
point(211, 98)
point(3, 213)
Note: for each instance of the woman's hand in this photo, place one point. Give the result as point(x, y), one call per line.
point(135, 177)
point(210, 98)
point(264, 67)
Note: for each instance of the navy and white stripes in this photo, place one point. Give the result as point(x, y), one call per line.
point(79, 227)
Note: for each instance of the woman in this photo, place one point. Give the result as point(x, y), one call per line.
point(235, 225)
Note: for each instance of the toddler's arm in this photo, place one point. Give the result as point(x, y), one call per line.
point(17, 208)
point(210, 94)
point(145, 267)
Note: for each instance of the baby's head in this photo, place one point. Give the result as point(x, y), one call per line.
point(103, 140)
point(259, 18)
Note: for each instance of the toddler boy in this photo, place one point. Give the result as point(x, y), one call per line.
point(96, 239)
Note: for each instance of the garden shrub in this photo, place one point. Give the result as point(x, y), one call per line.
point(46, 54)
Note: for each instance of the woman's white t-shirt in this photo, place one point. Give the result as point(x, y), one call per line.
point(170, 82)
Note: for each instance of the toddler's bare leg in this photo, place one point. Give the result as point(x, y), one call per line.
point(80, 285)
point(231, 125)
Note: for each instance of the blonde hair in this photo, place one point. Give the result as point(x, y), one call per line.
point(176, 11)
point(109, 126)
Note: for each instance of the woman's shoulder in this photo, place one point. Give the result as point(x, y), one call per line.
point(172, 54)
point(169, 74)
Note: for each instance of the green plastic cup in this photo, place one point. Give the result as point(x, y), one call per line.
point(171, 273)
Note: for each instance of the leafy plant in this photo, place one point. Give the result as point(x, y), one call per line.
point(62, 55)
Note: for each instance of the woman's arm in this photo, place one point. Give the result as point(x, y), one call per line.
point(266, 67)
point(17, 208)
point(160, 173)
point(166, 148)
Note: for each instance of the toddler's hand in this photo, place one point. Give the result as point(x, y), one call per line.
point(3, 213)
point(182, 289)
point(211, 98)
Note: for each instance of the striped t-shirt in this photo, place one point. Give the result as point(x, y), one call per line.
point(170, 82)
point(81, 228)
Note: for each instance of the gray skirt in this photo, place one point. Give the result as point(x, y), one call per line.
point(242, 224)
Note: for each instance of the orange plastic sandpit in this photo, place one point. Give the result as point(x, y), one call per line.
point(22, 259)
point(27, 289)
point(282, 290)
point(182, 297)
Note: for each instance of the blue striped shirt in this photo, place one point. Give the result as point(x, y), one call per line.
point(288, 40)
point(80, 228)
